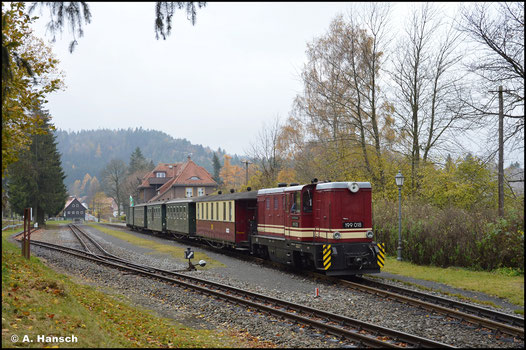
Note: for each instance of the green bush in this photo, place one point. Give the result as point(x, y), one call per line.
point(451, 236)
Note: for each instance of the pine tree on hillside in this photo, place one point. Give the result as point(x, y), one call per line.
point(36, 180)
point(138, 162)
point(217, 169)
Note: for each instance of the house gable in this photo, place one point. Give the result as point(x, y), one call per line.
point(188, 175)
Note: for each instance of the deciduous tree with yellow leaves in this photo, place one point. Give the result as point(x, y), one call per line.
point(29, 74)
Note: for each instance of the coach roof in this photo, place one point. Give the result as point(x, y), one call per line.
point(227, 197)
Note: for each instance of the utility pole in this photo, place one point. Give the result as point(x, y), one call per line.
point(246, 162)
point(501, 153)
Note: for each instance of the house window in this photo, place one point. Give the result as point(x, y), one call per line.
point(160, 174)
point(194, 178)
point(189, 192)
point(200, 191)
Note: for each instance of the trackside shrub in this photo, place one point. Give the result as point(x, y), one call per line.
point(451, 236)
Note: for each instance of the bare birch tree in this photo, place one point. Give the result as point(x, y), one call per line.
point(497, 31)
point(266, 153)
point(427, 83)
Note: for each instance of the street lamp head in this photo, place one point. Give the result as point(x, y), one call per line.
point(399, 179)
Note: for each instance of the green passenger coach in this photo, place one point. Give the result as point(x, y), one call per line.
point(156, 216)
point(139, 216)
point(180, 217)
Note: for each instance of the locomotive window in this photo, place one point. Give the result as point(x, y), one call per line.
point(296, 203)
point(307, 202)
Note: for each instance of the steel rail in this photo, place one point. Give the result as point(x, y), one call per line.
point(224, 293)
point(473, 309)
point(504, 328)
point(74, 228)
point(84, 245)
point(107, 255)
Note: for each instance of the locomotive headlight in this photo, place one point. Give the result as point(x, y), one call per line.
point(369, 234)
point(353, 187)
point(337, 235)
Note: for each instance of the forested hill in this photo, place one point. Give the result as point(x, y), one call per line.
point(88, 151)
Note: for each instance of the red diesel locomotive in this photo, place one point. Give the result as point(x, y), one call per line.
point(323, 226)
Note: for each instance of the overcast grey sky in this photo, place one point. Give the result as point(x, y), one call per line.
point(214, 83)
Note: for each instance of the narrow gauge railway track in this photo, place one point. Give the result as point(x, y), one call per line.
point(17, 235)
point(358, 332)
point(497, 321)
point(506, 323)
point(80, 233)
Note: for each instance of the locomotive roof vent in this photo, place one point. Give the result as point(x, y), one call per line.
point(249, 189)
point(232, 190)
point(294, 184)
point(314, 181)
point(282, 184)
point(219, 192)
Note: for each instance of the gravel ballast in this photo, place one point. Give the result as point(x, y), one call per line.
point(199, 311)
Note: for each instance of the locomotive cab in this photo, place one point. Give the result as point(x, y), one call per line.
point(298, 214)
point(343, 225)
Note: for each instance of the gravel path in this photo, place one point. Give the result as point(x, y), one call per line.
point(200, 311)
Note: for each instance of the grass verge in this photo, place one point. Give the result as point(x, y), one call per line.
point(38, 301)
point(176, 252)
point(496, 284)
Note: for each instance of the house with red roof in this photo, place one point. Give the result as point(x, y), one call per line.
point(179, 180)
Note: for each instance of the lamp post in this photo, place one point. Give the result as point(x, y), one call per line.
point(399, 178)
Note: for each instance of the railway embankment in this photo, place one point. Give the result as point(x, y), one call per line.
point(44, 308)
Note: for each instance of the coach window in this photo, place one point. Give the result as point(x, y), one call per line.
point(275, 203)
point(307, 202)
point(230, 211)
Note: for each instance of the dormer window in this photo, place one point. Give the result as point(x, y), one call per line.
point(160, 174)
point(194, 178)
